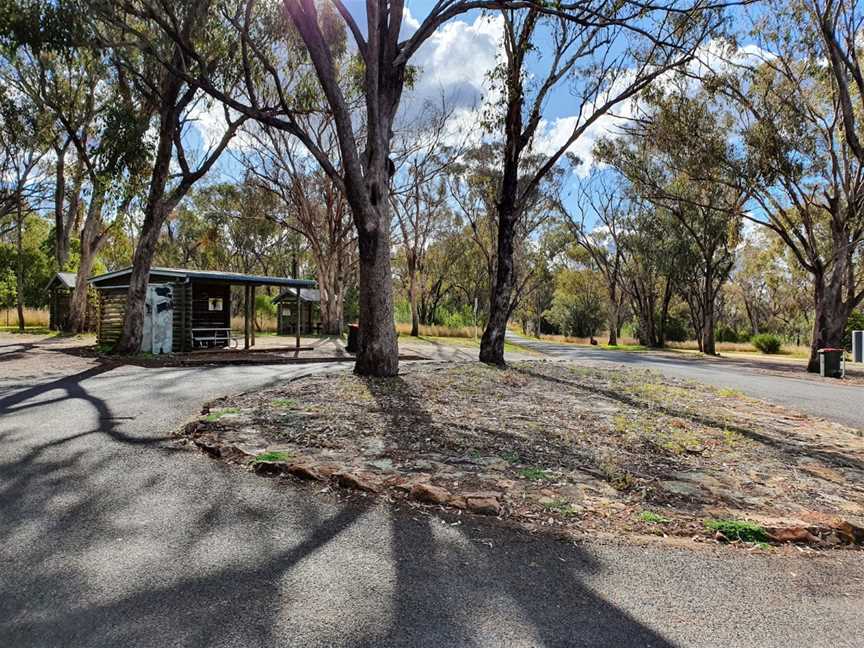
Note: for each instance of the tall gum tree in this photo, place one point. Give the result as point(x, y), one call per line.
point(800, 111)
point(365, 167)
point(123, 28)
point(604, 61)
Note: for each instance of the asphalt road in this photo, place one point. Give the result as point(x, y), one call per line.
point(109, 536)
point(826, 398)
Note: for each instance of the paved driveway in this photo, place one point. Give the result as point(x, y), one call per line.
point(109, 536)
point(821, 397)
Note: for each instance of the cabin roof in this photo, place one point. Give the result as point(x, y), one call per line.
point(236, 278)
point(306, 295)
point(64, 279)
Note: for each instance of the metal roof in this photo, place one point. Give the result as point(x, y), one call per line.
point(212, 275)
point(65, 278)
point(306, 294)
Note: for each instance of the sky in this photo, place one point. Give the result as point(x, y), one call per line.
point(454, 63)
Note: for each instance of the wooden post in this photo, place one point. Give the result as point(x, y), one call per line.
point(252, 311)
point(246, 317)
point(299, 318)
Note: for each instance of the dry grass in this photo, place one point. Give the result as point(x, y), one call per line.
point(265, 324)
point(404, 328)
point(603, 338)
point(742, 347)
point(32, 317)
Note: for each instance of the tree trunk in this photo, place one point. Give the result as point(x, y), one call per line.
point(829, 324)
point(91, 241)
point(709, 346)
point(492, 342)
point(379, 351)
point(412, 298)
point(330, 287)
point(614, 315)
point(19, 244)
point(133, 322)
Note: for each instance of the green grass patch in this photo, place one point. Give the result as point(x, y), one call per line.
point(561, 506)
point(215, 415)
point(534, 474)
point(510, 457)
point(739, 530)
point(272, 456)
point(729, 393)
point(654, 518)
point(284, 403)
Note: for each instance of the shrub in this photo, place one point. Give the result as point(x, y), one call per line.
point(738, 530)
point(767, 343)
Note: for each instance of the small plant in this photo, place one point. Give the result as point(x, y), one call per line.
point(534, 474)
point(511, 456)
point(272, 456)
point(215, 415)
point(285, 403)
point(767, 343)
point(729, 393)
point(561, 506)
point(738, 530)
point(654, 518)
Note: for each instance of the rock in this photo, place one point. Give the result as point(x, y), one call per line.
point(209, 445)
point(792, 534)
point(685, 489)
point(304, 471)
point(850, 532)
point(383, 464)
point(430, 493)
point(457, 501)
point(269, 467)
point(483, 505)
point(358, 481)
point(824, 472)
point(483, 495)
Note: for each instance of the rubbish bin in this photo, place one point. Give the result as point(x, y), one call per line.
point(831, 364)
point(353, 345)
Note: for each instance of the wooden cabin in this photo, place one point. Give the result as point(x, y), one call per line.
point(310, 311)
point(60, 290)
point(186, 309)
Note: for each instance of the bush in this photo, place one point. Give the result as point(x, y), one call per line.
point(728, 334)
point(767, 343)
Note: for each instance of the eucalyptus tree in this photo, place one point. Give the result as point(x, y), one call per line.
point(800, 130)
point(675, 157)
point(599, 226)
point(474, 184)
point(418, 194)
point(310, 204)
point(276, 89)
point(602, 62)
point(171, 104)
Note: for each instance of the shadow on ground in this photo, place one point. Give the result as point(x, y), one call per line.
point(107, 539)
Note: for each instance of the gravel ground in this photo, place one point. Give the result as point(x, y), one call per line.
point(110, 536)
point(832, 399)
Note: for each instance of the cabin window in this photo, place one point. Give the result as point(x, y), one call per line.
point(214, 304)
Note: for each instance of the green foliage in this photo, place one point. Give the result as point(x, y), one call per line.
point(767, 343)
point(738, 530)
point(264, 305)
point(272, 456)
point(653, 518)
point(532, 473)
point(38, 265)
point(285, 403)
point(561, 506)
point(578, 305)
point(215, 415)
